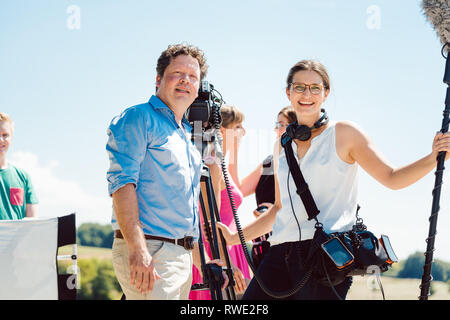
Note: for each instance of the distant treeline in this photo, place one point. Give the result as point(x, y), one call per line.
point(413, 268)
point(95, 235)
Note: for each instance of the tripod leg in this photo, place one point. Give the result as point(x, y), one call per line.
point(215, 216)
point(209, 236)
point(215, 289)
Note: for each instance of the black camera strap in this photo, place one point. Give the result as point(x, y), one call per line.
point(302, 187)
point(310, 206)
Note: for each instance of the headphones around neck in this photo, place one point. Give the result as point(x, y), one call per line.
point(303, 132)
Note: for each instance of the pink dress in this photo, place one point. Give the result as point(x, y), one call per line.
point(235, 252)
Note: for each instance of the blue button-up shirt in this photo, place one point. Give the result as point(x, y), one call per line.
point(146, 147)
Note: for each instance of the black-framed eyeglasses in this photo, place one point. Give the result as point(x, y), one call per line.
point(314, 88)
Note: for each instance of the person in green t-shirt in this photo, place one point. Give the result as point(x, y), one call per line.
point(17, 197)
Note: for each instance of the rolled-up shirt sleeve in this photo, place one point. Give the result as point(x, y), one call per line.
point(126, 148)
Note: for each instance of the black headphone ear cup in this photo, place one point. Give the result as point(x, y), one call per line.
point(290, 130)
point(302, 133)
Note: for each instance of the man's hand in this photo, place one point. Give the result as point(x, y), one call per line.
point(142, 271)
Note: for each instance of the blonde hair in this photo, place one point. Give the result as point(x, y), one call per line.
point(230, 115)
point(7, 118)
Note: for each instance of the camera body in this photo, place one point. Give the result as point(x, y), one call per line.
point(204, 116)
point(206, 107)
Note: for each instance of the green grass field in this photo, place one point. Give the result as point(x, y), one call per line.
point(366, 288)
point(87, 252)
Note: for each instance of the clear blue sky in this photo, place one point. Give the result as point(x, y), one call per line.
point(62, 87)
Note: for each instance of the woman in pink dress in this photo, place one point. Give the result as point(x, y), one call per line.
point(232, 131)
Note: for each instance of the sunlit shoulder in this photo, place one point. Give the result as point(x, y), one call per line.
point(350, 137)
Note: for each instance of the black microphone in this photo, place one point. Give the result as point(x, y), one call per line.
point(438, 14)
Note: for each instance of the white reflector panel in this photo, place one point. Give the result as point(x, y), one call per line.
point(28, 251)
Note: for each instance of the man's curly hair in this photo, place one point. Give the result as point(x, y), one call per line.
point(175, 50)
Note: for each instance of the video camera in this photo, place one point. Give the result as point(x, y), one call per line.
point(204, 115)
point(206, 106)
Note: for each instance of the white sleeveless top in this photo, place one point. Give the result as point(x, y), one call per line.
point(333, 184)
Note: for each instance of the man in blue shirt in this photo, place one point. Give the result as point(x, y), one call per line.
point(154, 181)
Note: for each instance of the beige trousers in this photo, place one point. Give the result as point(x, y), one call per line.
point(172, 262)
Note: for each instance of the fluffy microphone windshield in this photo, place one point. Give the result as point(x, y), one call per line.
point(438, 13)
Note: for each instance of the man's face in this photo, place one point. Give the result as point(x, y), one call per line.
point(179, 85)
point(5, 136)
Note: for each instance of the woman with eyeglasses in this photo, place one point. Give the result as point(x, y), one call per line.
point(329, 159)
